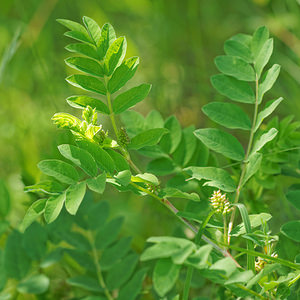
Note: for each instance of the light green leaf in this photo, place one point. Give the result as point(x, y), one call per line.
point(119, 160)
point(130, 98)
point(121, 271)
point(252, 166)
point(216, 177)
point(293, 197)
point(74, 26)
point(291, 230)
point(154, 120)
point(146, 178)
point(79, 157)
point(85, 282)
point(36, 284)
point(124, 177)
point(5, 199)
point(84, 101)
point(148, 137)
point(123, 74)
point(255, 221)
point(242, 38)
point(232, 88)
point(263, 57)
point(66, 121)
point(226, 265)
point(34, 211)
point(268, 81)
point(170, 192)
point(181, 255)
point(161, 166)
point(268, 109)
point(53, 207)
point(86, 65)
point(74, 197)
point(79, 36)
point(165, 276)
point(84, 49)
point(160, 250)
point(235, 48)
point(87, 83)
point(264, 139)
point(181, 242)
point(260, 36)
point(47, 187)
point(133, 287)
point(240, 277)
point(171, 141)
point(93, 29)
point(115, 55)
point(221, 142)
point(60, 170)
point(108, 36)
point(97, 184)
point(236, 67)
point(228, 115)
point(199, 259)
point(102, 158)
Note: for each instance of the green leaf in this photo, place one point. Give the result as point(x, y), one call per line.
point(47, 187)
point(52, 258)
point(269, 108)
point(221, 142)
point(86, 65)
point(291, 230)
point(161, 166)
point(170, 192)
point(199, 259)
point(216, 177)
point(119, 160)
point(146, 178)
point(34, 211)
point(79, 36)
point(93, 29)
point(242, 38)
point(84, 49)
point(240, 277)
point(235, 48)
point(228, 115)
point(160, 250)
point(108, 36)
point(108, 233)
point(121, 271)
point(115, 55)
point(182, 255)
point(16, 262)
point(74, 26)
point(66, 121)
point(133, 287)
point(264, 139)
point(123, 74)
point(293, 196)
point(84, 101)
point(171, 141)
point(252, 166)
point(255, 221)
point(102, 158)
point(115, 253)
point(74, 197)
point(124, 177)
point(148, 137)
point(97, 184)
point(36, 284)
point(236, 67)
point(260, 36)
point(60, 170)
point(35, 241)
point(232, 88)
point(87, 83)
point(165, 276)
point(85, 282)
point(154, 120)
point(97, 215)
point(79, 157)
point(263, 57)
point(130, 98)
point(5, 199)
point(190, 144)
point(53, 207)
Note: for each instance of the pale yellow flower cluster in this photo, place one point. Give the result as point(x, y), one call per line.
point(220, 203)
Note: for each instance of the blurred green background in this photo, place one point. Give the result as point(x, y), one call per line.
point(176, 41)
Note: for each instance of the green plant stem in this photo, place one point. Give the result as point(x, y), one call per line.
point(225, 228)
point(189, 275)
point(294, 280)
point(111, 115)
point(244, 163)
point(98, 268)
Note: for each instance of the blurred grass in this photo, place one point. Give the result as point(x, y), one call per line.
point(177, 42)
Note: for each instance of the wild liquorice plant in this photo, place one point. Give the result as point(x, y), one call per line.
point(245, 260)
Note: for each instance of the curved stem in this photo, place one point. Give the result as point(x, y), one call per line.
point(243, 172)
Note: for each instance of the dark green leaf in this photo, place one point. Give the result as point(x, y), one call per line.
point(119, 160)
point(130, 98)
point(79, 157)
point(60, 170)
point(235, 48)
point(53, 207)
point(52, 258)
point(4, 199)
point(97, 184)
point(86, 65)
point(293, 197)
point(74, 197)
point(233, 89)
point(291, 230)
point(165, 276)
point(36, 284)
point(123, 74)
point(84, 49)
point(85, 282)
point(161, 166)
point(97, 215)
point(221, 142)
point(84, 101)
point(93, 29)
point(236, 67)
point(228, 115)
point(121, 272)
point(87, 83)
point(108, 36)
